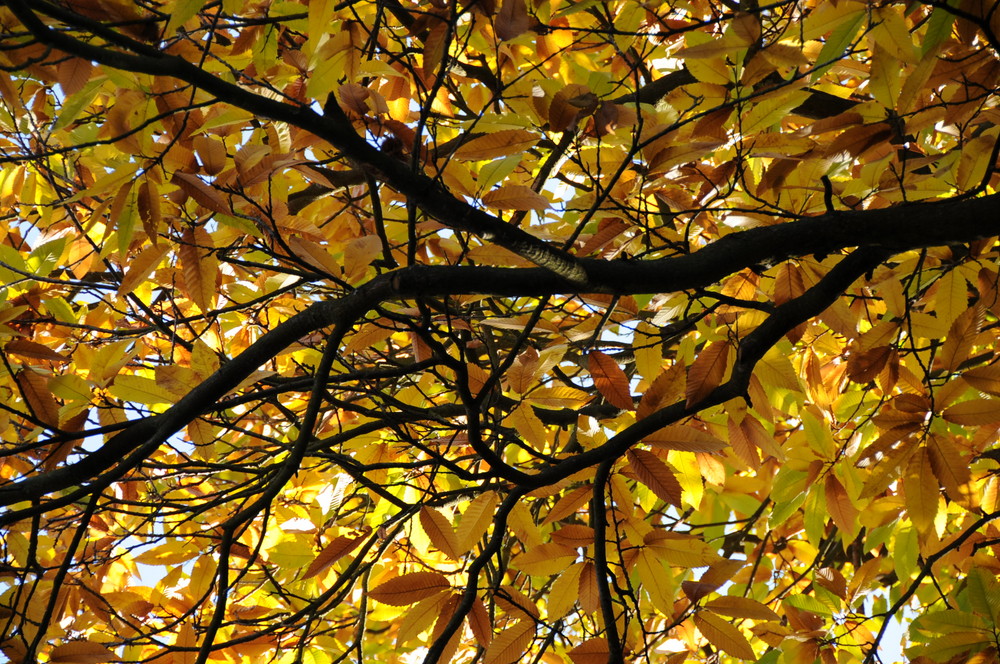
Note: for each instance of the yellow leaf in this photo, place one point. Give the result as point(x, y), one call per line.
point(358, 256)
point(512, 642)
point(368, 336)
point(545, 560)
point(958, 344)
point(952, 471)
point(410, 588)
point(531, 428)
point(497, 144)
point(920, 487)
point(138, 389)
point(479, 622)
point(140, 267)
point(558, 397)
point(723, 636)
point(515, 197)
point(741, 607)
point(564, 591)
point(440, 532)
point(476, 520)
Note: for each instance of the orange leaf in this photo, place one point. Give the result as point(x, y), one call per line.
point(951, 470)
point(199, 267)
point(511, 644)
point(656, 475)
point(973, 412)
point(723, 636)
point(685, 439)
point(842, 510)
point(479, 621)
point(440, 532)
point(984, 379)
point(515, 197)
point(331, 553)
point(920, 488)
point(497, 144)
point(143, 265)
point(35, 350)
point(410, 588)
point(610, 380)
point(707, 371)
point(591, 651)
point(35, 388)
point(202, 193)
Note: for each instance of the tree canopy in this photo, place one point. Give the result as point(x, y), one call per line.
point(548, 331)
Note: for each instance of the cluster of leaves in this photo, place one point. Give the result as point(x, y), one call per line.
point(499, 331)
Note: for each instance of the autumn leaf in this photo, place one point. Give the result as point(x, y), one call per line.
point(496, 144)
point(82, 652)
point(515, 197)
point(339, 547)
point(656, 475)
point(707, 371)
point(440, 532)
point(723, 635)
point(610, 380)
point(410, 588)
point(510, 645)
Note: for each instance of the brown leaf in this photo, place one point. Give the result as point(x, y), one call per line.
point(569, 105)
point(331, 553)
point(707, 371)
point(202, 193)
point(82, 652)
point(685, 439)
point(656, 475)
point(410, 588)
point(512, 19)
point(610, 380)
point(34, 350)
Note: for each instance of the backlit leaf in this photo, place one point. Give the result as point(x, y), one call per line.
point(410, 588)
